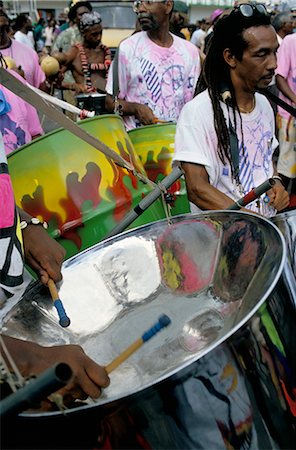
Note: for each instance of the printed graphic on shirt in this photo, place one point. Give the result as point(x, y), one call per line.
point(13, 135)
point(11, 261)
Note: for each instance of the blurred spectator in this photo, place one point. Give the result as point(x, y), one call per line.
point(214, 18)
point(283, 25)
point(24, 56)
point(24, 28)
point(71, 35)
point(199, 35)
point(65, 40)
point(50, 33)
point(39, 35)
point(179, 19)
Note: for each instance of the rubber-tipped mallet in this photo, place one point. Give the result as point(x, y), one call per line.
point(64, 319)
point(163, 322)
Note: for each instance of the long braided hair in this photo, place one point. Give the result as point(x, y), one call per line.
point(215, 75)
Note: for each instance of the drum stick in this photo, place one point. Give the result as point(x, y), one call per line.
point(155, 120)
point(146, 202)
point(163, 322)
point(252, 195)
point(64, 319)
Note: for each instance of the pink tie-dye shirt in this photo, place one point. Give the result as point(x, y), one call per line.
point(27, 58)
point(21, 123)
point(286, 61)
point(162, 78)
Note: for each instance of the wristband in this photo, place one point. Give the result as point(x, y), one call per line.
point(277, 177)
point(32, 221)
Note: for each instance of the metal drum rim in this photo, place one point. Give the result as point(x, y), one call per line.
point(59, 129)
point(146, 127)
point(209, 348)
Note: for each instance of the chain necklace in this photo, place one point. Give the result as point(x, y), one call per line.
point(93, 67)
point(244, 111)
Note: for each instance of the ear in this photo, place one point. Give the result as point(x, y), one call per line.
point(169, 6)
point(229, 58)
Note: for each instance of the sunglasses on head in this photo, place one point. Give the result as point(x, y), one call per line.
point(249, 10)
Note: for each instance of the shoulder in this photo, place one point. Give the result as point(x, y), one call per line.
point(133, 40)
point(263, 105)
point(23, 48)
point(200, 106)
point(185, 46)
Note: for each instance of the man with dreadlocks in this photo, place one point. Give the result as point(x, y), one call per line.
point(90, 60)
point(225, 136)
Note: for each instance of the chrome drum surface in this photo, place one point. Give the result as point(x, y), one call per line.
point(222, 375)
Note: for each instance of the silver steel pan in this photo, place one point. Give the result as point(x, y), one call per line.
point(287, 224)
point(222, 375)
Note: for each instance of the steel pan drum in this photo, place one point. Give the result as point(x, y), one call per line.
point(79, 192)
point(222, 375)
point(287, 224)
point(155, 146)
point(92, 102)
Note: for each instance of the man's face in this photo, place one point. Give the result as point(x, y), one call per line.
point(80, 11)
point(154, 16)
point(4, 21)
point(93, 35)
point(258, 64)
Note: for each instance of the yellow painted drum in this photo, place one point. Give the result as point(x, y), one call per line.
point(154, 144)
point(75, 188)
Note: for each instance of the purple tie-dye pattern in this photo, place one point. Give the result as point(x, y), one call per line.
point(13, 135)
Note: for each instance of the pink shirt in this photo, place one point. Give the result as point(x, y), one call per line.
point(28, 59)
point(162, 78)
point(21, 123)
point(286, 60)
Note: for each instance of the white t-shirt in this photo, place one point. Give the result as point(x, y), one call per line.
point(198, 37)
point(24, 39)
point(162, 78)
point(196, 142)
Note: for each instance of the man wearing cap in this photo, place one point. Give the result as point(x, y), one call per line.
point(157, 70)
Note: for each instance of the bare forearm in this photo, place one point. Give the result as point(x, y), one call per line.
point(24, 353)
point(285, 88)
point(126, 108)
point(208, 198)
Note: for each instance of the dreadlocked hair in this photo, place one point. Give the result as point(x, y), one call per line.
point(215, 75)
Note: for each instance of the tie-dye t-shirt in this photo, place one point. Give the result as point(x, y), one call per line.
point(196, 142)
point(20, 123)
point(162, 78)
point(27, 58)
point(286, 61)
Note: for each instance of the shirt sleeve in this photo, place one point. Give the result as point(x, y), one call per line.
point(283, 59)
point(39, 75)
point(33, 121)
point(190, 140)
